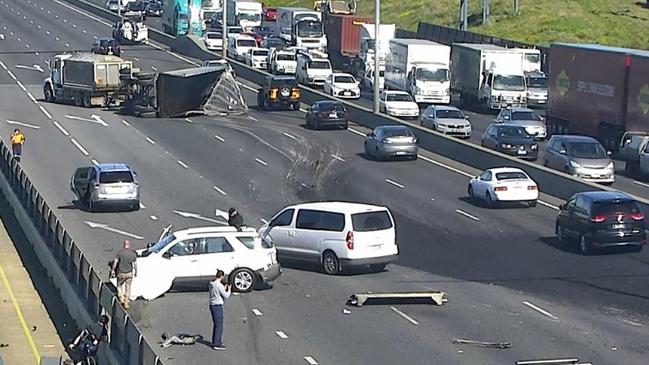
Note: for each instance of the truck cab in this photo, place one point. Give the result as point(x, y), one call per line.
point(429, 83)
point(302, 27)
point(182, 17)
point(537, 88)
point(501, 89)
point(244, 13)
point(634, 151)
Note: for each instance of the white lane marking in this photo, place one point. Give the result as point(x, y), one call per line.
point(552, 206)
point(445, 166)
point(263, 221)
point(632, 323)
point(32, 67)
point(150, 140)
point(198, 216)
point(65, 20)
point(19, 40)
point(356, 132)
point(74, 25)
point(142, 206)
point(290, 136)
point(432, 199)
point(136, 59)
point(47, 32)
point(303, 110)
point(407, 317)
point(39, 27)
point(338, 158)
point(261, 161)
point(47, 114)
point(281, 335)
point(219, 190)
point(22, 124)
point(310, 360)
point(641, 183)
point(20, 84)
point(541, 310)
point(31, 96)
point(392, 182)
point(67, 44)
point(3, 65)
point(84, 31)
point(94, 36)
point(11, 74)
point(183, 164)
point(80, 147)
point(106, 227)
point(219, 138)
point(94, 162)
point(153, 217)
point(154, 68)
point(26, 45)
point(57, 38)
point(253, 118)
point(188, 120)
point(461, 212)
point(257, 312)
point(61, 128)
point(125, 123)
point(2, 37)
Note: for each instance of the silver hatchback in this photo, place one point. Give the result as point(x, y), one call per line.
point(107, 184)
point(391, 141)
point(580, 156)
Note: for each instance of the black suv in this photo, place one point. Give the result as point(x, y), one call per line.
point(510, 139)
point(279, 91)
point(106, 46)
point(599, 219)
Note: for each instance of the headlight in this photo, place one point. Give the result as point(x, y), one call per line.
point(535, 146)
point(610, 166)
point(574, 164)
point(505, 145)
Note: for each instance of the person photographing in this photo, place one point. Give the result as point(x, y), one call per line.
point(219, 292)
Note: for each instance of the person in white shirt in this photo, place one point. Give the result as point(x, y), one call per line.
point(218, 294)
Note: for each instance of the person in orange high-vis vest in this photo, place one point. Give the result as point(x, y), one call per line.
point(17, 140)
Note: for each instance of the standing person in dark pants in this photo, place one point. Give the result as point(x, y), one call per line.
point(235, 219)
point(17, 140)
point(218, 294)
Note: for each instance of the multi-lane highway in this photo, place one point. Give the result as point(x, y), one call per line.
point(506, 277)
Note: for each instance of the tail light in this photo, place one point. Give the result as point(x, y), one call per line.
point(598, 218)
point(500, 188)
point(295, 92)
point(350, 240)
point(637, 216)
point(531, 187)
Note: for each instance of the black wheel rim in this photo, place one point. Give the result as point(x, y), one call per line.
point(330, 264)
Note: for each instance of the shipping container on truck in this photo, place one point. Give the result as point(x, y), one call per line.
point(598, 91)
point(343, 38)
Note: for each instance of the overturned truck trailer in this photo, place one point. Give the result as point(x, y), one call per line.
point(205, 90)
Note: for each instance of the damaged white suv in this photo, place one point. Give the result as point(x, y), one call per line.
point(192, 256)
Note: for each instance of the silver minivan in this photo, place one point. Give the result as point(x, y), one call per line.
point(106, 184)
point(580, 156)
point(337, 235)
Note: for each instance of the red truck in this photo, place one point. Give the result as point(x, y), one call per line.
point(343, 38)
point(598, 91)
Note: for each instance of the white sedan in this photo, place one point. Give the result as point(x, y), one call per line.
point(504, 184)
point(398, 104)
point(342, 85)
point(256, 58)
point(213, 41)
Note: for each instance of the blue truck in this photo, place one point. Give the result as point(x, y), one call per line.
point(183, 17)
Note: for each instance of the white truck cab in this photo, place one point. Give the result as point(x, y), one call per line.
point(282, 62)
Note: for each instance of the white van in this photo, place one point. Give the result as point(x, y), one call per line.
point(337, 235)
point(312, 68)
point(238, 46)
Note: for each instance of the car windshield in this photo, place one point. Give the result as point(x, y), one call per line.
point(252, 17)
point(260, 52)
point(344, 79)
point(162, 243)
point(537, 82)
point(424, 74)
point(511, 175)
point(525, 115)
point(327, 107)
point(309, 28)
point(509, 83)
point(235, 30)
point(371, 221)
point(513, 131)
point(285, 57)
point(612, 207)
point(398, 97)
point(320, 64)
point(586, 150)
point(397, 132)
point(449, 114)
point(246, 43)
point(214, 36)
point(114, 177)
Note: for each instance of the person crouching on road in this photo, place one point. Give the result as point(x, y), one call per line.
point(218, 294)
point(17, 140)
point(124, 268)
point(235, 219)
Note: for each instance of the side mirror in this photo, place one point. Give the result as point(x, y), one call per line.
point(150, 245)
point(369, 135)
point(562, 207)
point(268, 239)
point(167, 255)
point(506, 117)
point(467, 117)
point(563, 152)
point(609, 153)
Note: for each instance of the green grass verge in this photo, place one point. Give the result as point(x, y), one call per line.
point(611, 22)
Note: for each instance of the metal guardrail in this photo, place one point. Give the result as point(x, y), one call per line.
point(127, 345)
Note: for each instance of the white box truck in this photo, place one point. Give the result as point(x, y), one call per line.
point(488, 75)
point(420, 68)
point(302, 27)
point(244, 13)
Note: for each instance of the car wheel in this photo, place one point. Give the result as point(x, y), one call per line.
point(584, 246)
point(243, 280)
point(561, 234)
point(346, 126)
point(135, 206)
point(78, 99)
point(47, 92)
point(491, 203)
point(532, 203)
point(377, 154)
point(330, 264)
point(470, 192)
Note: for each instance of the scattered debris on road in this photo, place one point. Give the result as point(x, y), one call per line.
point(493, 345)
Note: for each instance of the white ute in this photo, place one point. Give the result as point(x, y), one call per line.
point(192, 256)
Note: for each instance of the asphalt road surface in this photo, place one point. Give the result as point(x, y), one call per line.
point(506, 277)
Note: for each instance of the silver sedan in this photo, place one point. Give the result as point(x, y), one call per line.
point(391, 141)
point(446, 119)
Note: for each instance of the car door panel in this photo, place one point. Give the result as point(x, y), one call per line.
point(220, 254)
point(79, 181)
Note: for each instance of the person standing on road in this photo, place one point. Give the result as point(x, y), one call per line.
point(124, 268)
point(17, 140)
point(218, 294)
point(235, 219)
